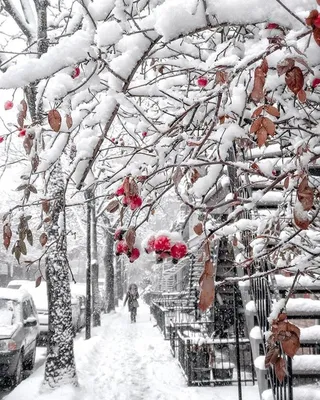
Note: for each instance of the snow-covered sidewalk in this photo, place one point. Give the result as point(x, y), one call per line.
point(126, 361)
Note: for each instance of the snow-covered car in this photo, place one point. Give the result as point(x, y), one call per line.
point(19, 330)
point(18, 283)
point(39, 295)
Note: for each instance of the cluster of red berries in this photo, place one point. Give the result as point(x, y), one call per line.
point(134, 201)
point(123, 248)
point(166, 247)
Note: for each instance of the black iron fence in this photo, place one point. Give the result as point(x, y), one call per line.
point(206, 361)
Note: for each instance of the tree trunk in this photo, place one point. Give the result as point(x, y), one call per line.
point(96, 317)
point(60, 366)
point(108, 263)
point(118, 280)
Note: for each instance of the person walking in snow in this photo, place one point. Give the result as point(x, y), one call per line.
point(132, 299)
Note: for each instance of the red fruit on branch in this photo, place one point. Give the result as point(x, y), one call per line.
point(8, 105)
point(202, 81)
point(135, 254)
point(120, 191)
point(315, 82)
point(121, 248)
point(144, 134)
point(150, 245)
point(119, 234)
point(22, 133)
point(161, 244)
point(179, 250)
point(1, 139)
point(125, 201)
point(135, 202)
point(316, 22)
point(272, 25)
point(75, 73)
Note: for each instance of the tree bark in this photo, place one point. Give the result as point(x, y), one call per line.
point(96, 315)
point(118, 280)
point(60, 365)
point(108, 263)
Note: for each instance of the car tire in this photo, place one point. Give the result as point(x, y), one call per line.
point(29, 364)
point(18, 375)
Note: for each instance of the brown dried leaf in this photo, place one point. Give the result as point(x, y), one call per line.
point(295, 80)
point(272, 111)
point(35, 162)
point(221, 77)
point(43, 239)
point(282, 317)
point(286, 182)
point(38, 280)
point(305, 194)
point(206, 292)
point(257, 93)
point(24, 108)
point(209, 268)
point(45, 205)
point(302, 96)
point(316, 35)
point(54, 119)
point(280, 369)
point(301, 223)
point(47, 219)
point(311, 17)
point(20, 119)
point(133, 188)
point(195, 175)
point(257, 112)
point(198, 229)
point(257, 124)
point(269, 126)
point(264, 66)
point(177, 176)
point(284, 66)
point(262, 135)
point(7, 235)
point(293, 329)
point(69, 121)
point(130, 237)
point(112, 206)
point(27, 144)
point(272, 356)
point(291, 346)
point(126, 186)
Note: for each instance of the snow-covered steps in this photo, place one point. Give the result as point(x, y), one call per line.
point(310, 335)
point(308, 392)
point(304, 284)
point(295, 308)
point(302, 365)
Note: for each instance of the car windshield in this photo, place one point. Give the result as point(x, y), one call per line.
point(8, 312)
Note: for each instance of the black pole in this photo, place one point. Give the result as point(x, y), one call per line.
point(236, 331)
point(88, 271)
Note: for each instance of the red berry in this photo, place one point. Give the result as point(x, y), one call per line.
point(120, 191)
point(272, 25)
point(135, 202)
point(135, 254)
point(315, 82)
point(8, 105)
point(119, 234)
point(1, 139)
point(121, 247)
point(179, 250)
point(144, 134)
point(316, 22)
point(202, 81)
point(75, 73)
point(22, 133)
point(150, 245)
point(274, 172)
point(125, 200)
point(113, 140)
point(162, 243)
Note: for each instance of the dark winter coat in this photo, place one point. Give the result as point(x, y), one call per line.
point(132, 299)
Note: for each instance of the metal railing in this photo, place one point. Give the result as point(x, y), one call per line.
point(206, 361)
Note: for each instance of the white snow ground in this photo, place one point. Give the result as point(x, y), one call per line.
point(125, 361)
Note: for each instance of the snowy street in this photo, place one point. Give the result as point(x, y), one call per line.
point(126, 361)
